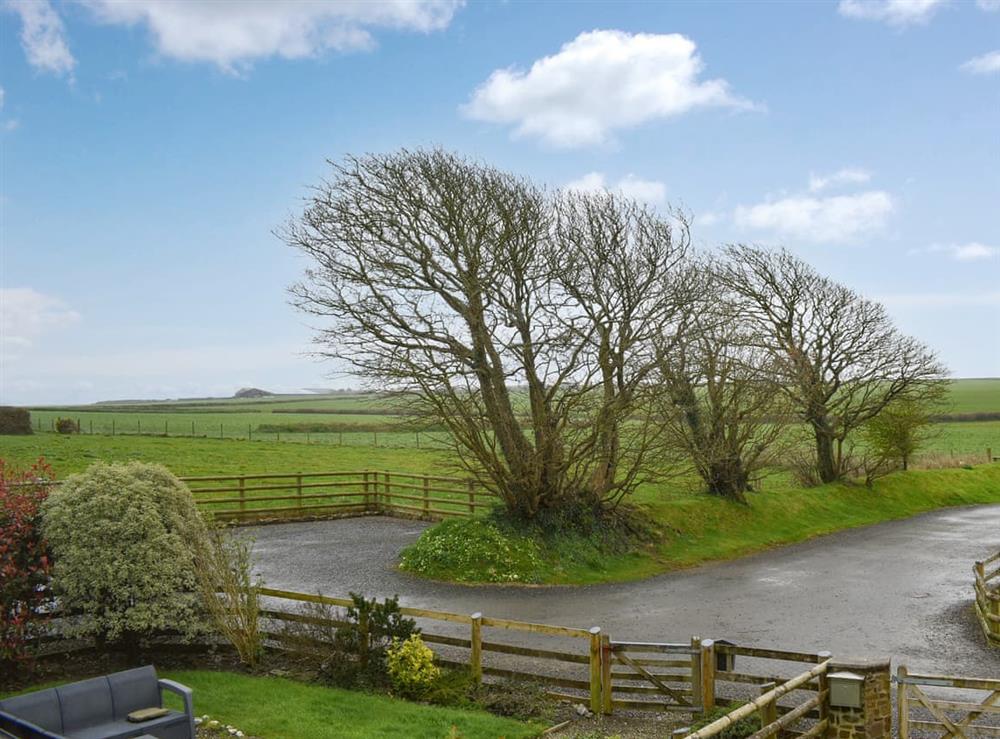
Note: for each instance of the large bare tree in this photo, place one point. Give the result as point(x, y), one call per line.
point(721, 407)
point(452, 283)
point(839, 357)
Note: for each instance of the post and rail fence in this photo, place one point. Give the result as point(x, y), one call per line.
point(307, 495)
point(987, 589)
point(585, 665)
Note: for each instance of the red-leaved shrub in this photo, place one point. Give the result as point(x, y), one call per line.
point(25, 562)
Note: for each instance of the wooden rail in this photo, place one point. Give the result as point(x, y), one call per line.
point(919, 711)
point(766, 705)
point(987, 589)
point(571, 663)
point(305, 495)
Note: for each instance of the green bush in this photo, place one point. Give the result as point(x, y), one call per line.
point(473, 550)
point(411, 667)
point(124, 538)
point(15, 421)
point(67, 426)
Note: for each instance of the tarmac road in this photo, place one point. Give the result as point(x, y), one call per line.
point(901, 589)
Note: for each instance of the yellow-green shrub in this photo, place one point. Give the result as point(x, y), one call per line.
point(411, 667)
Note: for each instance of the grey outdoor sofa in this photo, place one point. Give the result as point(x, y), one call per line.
point(98, 709)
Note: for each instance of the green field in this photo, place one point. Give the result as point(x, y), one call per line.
point(367, 420)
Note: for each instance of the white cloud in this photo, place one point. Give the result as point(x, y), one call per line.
point(43, 36)
point(600, 82)
point(971, 252)
point(896, 13)
point(822, 220)
point(26, 314)
point(232, 34)
point(653, 192)
point(988, 63)
point(846, 176)
point(988, 5)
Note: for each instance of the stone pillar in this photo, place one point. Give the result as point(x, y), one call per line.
point(873, 720)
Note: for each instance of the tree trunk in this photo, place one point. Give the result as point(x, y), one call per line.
point(826, 465)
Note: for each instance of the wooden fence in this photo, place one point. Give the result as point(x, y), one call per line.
point(954, 717)
point(987, 588)
point(301, 495)
point(578, 664)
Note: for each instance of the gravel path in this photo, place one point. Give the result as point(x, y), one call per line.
point(901, 589)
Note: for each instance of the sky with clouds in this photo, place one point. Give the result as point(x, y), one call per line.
point(151, 147)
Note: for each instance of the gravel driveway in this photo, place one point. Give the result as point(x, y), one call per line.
point(901, 589)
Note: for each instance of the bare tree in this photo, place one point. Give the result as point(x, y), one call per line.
point(722, 406)
point(840, 358)
point(449, 283)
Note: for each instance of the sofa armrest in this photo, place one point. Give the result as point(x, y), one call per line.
point(184, 692)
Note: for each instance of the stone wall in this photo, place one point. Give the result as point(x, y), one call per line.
point(874, 719)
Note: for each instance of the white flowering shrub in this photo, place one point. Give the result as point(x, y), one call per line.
point(123, 538)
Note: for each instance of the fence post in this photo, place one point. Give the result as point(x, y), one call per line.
point(298, 489)
point(696, 670)
point(472, 499)
point(607, 683)
point(989, 455)
point(192, 428)
point(902, 702)
point(166, 428)
point(91, 426)
point(476, 654)
point(375, 435)
point(112, 427)
point(769, 711)
point(138, 426)
point(427, 493)
point(824, 685)
point(418, 439)
point(368, 498)
point(387, 490)
point(707, 674)
point(243, 494)
point(595, 669)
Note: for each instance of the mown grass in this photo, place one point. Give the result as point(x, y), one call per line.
point(278, 708)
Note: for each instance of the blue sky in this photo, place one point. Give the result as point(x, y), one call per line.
point(149, 149)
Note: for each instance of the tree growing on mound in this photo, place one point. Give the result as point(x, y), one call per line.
point(124, 539)
point(449, 282)
point(840, 359)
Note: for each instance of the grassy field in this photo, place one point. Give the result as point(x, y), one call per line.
point(278, 708)
point(372, 420)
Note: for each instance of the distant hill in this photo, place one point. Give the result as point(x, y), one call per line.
point(251, 392)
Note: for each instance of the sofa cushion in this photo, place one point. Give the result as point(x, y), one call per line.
point(40, 708)
point(174, 724)
point(134, 689)
point(86, 703)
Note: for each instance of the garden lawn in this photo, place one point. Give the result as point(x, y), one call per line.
point(277, 708)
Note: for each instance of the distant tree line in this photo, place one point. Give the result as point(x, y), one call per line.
point(448, 283)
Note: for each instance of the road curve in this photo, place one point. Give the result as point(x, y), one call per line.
point(899, 589)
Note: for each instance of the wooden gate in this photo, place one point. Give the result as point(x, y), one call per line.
point(667, 680)
point(960, 718)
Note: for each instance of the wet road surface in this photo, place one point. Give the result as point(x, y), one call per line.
point(901, 589)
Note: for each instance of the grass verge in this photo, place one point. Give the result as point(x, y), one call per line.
point(697, 528)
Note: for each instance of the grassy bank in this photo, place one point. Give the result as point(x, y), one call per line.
point(696, 528)
point(277, 708)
